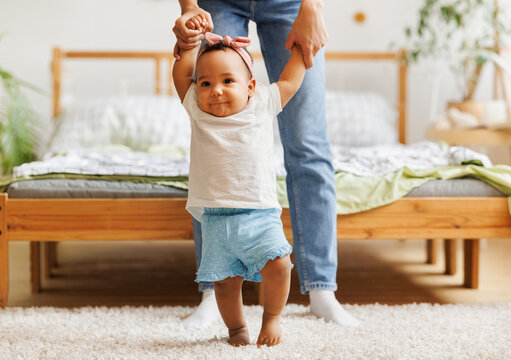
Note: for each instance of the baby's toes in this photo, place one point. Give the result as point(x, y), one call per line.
point(262, 341)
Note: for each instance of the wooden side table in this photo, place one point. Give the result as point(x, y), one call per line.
point(469, 137)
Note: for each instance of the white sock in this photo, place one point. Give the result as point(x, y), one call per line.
point(325, 305)
point(206, 313)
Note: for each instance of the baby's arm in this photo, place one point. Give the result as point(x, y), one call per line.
point(292, 76)
point(182, 73)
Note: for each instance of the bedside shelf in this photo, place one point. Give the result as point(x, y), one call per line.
point(478, 137)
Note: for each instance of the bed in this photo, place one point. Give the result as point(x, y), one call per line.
point(423, 214)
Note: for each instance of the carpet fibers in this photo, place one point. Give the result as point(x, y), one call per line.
point(416, 331)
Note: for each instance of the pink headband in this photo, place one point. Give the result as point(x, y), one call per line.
point(237, 44)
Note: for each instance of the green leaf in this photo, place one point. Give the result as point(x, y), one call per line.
point(18, 120)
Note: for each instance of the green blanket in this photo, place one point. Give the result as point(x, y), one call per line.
point(354, 193)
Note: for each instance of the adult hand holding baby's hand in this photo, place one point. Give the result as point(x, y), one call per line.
point(198, 22)
point(190, 28)
point(308, 31)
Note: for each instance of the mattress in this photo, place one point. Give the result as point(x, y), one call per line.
point(80, 188)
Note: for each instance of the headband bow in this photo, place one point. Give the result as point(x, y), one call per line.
point(237, 44)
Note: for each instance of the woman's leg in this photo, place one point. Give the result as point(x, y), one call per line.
point(310, 174)
point(303, 131)
point(207, 311)
point(230, 303)
point(276, 281)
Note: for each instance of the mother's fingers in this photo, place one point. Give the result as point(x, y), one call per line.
point(308, 56)
point(209, 20)
point(188, 36)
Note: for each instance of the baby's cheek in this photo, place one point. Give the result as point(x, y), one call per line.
point(201, 104)
point(200, 100)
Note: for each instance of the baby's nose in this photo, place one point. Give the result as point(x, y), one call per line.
point(216, 90)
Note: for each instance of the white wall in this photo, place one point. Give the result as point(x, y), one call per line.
point(32, 28)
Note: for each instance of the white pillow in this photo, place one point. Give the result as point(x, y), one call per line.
point(138, 122)
point(360, 119)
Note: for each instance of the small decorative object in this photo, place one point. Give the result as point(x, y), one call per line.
point(465, 35)
point(359, 17)
point(17, 123)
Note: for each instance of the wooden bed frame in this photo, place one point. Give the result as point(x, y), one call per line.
point(52, 220)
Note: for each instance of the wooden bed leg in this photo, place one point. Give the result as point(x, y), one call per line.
point(4, 253)
point(45, 260)
point(53, 255)
point(450, 256)
point(48, 258)
point(431, 251)
point(471, 265)
point(35, 266)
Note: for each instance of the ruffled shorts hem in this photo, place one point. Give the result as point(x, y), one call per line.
point(212, 277)
point(251, 273)
point(253, 269)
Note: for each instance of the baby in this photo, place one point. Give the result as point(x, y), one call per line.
point(232, 182)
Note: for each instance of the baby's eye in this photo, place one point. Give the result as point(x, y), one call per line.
point(228, 81)
point(205, 83)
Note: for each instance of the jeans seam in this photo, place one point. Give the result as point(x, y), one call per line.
point(296, 212)
point(301, 258)
point(252, 9)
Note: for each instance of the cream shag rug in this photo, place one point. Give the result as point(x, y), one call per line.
point(416, 331)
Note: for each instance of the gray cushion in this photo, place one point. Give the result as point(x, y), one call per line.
point(76, 188)
point(455, 188)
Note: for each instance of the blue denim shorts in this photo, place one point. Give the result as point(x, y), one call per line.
point(239, 242)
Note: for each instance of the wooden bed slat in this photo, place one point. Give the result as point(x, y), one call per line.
point(432, 217)
point(117, 54)
point(166, 219)
point(98, 219)
point(157, 56)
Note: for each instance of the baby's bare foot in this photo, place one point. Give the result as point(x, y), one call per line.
point(239, 337)
point(270, 330)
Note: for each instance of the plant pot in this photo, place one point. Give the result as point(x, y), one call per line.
point(475, 108)
point(484, 113)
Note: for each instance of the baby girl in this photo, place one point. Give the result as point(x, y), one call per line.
point(232, 182)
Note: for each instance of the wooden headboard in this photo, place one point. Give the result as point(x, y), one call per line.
point(158, 57)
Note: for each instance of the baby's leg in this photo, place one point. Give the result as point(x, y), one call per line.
point(230, 305)
point(276, 281)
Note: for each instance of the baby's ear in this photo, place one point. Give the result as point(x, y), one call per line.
point(251, 87)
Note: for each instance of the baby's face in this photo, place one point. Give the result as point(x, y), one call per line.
point(223, 83)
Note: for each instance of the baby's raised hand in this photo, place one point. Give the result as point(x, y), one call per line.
point(197, 22)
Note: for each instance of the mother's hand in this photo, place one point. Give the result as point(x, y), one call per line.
point(308, 30)
point(188, 38)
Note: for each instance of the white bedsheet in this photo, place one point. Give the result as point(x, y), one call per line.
point(363, 161)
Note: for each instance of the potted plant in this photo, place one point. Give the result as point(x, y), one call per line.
point(463, 33)
point(17, 123)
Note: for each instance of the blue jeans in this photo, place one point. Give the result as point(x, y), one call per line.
point(303, 131)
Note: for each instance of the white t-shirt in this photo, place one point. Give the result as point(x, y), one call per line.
point(231, 158)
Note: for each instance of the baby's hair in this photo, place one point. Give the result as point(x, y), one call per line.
point(221, 45)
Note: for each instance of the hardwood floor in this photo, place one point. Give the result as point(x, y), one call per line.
point(162, 273)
